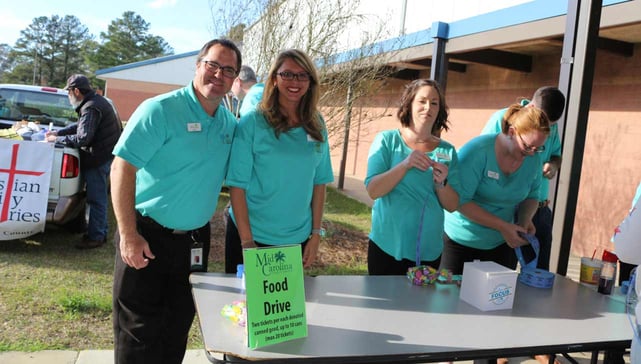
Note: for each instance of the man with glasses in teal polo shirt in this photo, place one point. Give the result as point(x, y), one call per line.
point(166, 176)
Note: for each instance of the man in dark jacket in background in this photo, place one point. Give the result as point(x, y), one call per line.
point(95, 134)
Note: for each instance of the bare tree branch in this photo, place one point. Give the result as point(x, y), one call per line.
point(325, 30)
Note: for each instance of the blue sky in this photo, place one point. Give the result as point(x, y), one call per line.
point(185, 24)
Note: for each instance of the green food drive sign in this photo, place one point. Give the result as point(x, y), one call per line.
point(275, 295)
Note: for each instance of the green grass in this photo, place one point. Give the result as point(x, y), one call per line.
point(53, 296)
point(346, 211)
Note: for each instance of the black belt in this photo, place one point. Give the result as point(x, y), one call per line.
point(152, 224)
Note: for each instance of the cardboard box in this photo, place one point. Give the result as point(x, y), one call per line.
point(488, 286)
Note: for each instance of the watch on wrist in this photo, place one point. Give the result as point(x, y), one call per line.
point(320, 232)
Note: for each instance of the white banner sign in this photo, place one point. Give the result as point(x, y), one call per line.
point(25, 174)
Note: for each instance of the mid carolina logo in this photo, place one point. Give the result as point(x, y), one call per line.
point(273, 262)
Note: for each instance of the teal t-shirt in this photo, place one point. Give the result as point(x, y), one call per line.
point(278, 175)
point(485, 184)
point(397, 216)
point(181, 154)
point(252, 98)
point(552, 145)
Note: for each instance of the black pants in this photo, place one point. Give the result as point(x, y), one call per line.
point(624, 271)
point(542, 221)
point(380, 263)
point(153, 307)
point(455, 254)
point(234, 249)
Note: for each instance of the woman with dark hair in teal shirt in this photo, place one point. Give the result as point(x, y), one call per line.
point(279, 165)
point(500, 172)
point(408, 171)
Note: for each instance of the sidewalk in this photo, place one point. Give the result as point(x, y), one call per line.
point(354, 188)
point(82, 357)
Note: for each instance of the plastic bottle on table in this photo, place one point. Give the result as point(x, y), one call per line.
point(240, 273)
point(608, 273)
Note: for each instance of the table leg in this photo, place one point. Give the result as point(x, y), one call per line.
point(569, 358)
point(614, 357)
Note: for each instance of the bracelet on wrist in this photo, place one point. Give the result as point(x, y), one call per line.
point(438, 186)
point(320, 232)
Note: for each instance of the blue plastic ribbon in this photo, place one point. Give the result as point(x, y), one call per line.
point(420, 232)
point(530, 274)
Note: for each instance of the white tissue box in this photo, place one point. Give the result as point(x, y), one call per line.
point(488, 286)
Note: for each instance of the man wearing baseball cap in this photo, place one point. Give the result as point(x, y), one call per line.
point(78, 81)
point(95, 134)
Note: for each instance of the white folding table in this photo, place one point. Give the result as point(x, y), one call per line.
point(386, 319)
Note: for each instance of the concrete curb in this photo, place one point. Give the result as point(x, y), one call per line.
point(45, 356)
point(82, 357)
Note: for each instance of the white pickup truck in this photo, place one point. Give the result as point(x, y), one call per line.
point(49, 107)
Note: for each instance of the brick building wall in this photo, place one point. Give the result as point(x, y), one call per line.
point(611, 167)
point(128, 94)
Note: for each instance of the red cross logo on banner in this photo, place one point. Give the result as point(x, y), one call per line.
point(12, 171)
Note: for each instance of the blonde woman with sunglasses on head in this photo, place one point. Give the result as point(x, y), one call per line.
point(499, 173)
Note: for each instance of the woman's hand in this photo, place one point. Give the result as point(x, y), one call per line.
point(439, 172)
point(529, 227)
point(417, 160)
point(248, 244)
point(311, 250)
point(511, 235)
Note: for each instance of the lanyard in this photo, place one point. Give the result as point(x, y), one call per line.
point(423, 275)
point(420, 232)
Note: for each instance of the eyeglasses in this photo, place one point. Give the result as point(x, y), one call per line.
point(213, 67)
point(529, 148)
point(290, 76)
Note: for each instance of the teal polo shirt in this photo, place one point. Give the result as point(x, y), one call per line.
point(552, 145)
point(252, 98)
point(278, 175)
point(398, 216)
point(181, 153)
point(485, 184)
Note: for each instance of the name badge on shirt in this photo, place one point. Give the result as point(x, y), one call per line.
point(443, 158)
point(192, 127)
point(196, 261)
point(493, 175)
